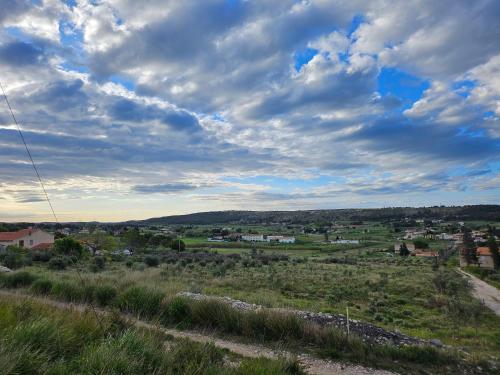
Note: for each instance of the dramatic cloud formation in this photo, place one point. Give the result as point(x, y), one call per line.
point(135, 109)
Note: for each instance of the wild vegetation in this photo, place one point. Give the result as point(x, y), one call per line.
point(260, 326)
point(36, 339)
point(416, 296)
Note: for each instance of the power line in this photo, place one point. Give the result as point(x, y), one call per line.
point(45, 192)
point(29, 153)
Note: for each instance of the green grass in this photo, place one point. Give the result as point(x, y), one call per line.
point(395, 293)
point(261, 326)
point(36, 339)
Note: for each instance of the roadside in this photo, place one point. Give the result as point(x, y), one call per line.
point(485, 292)
point(313, 366)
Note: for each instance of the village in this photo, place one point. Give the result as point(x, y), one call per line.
point(392, 275)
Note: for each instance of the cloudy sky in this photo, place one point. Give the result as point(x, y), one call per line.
point(134, 109)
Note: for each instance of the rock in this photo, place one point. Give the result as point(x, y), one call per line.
point(366, 331)
point(5, 269)
point(437, 343)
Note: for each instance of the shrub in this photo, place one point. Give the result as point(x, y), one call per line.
point(129, 263)
point(151, 261)
point(68, 246)
point(216, 314)
point(100, 262)
point(41, 256)
point(57, 263)
point(18, 279)
point(105, 295)
point(178, 310)
point(139, 266)
point(68, 291)
point(141, 301)
point(42, 286)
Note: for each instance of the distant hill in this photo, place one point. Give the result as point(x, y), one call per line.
point(473, 212)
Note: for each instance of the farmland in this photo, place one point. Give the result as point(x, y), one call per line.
point(416, 296)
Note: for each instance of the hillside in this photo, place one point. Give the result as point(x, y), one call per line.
point(472, 212)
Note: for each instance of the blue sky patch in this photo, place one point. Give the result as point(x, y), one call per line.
point(303, 57)
point(121, 80)
point(408, 88)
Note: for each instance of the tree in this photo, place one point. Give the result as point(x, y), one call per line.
point(178, 245)
point(421, 244)
point(68, 246)
point(469, 248)
point(134, 239)
point(403, 250)
point(492, 244)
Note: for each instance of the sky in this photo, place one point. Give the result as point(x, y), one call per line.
point(137, 109)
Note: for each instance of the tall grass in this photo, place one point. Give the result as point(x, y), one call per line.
point(36, 339)
point(262, 326)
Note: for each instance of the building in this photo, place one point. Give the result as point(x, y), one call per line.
point(426, 254)
point(280, 239)
point(253, 237)
point(28, 238)
point(345, 242)
point(287, 240)
point(445, 237)
point(411, 234)
point(484, 258)
point(409, 246)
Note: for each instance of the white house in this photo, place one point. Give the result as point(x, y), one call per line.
point(345, 242)
point(445, 236)
point(287, 240)
point(28, 238)
point(485, 258)
point(253, 237)
point(280, 239)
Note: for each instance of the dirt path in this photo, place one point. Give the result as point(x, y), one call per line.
point(313, 366)
point(484, 292)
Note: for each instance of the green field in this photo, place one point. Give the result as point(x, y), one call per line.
point(408, 294)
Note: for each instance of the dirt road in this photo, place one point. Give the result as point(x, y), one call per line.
point(484, 292)
point(313, 366)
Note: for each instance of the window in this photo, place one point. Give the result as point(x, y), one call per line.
point(21, 243)
point(31, 242)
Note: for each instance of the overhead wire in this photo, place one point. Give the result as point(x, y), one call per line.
point(35, 168)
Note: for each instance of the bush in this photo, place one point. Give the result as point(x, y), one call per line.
point(57, 263)
point(216, 314)
point(18, 279)
point(178, 310)
point(105, 295)
point(41, 256)
point(100, 262)
point(42, 286)
point(178, 245)
point(141, 301)
point(151, 261)
point(68, 291)
point(68, 246)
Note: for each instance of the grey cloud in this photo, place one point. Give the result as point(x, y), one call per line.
point(20, 54)
point(163, 188)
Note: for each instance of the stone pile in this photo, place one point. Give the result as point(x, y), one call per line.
point(367, 331)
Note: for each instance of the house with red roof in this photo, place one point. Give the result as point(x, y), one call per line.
point(485, 258)
point(30, 238)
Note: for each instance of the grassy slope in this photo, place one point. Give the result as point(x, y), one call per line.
point(262, 326)
point(36, 339)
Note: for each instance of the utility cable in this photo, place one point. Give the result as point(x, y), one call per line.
point(44, 191)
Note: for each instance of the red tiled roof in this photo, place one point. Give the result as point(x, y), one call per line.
point(483, 251)
point(426, 253)
point(42, 246)
point(11, 236)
